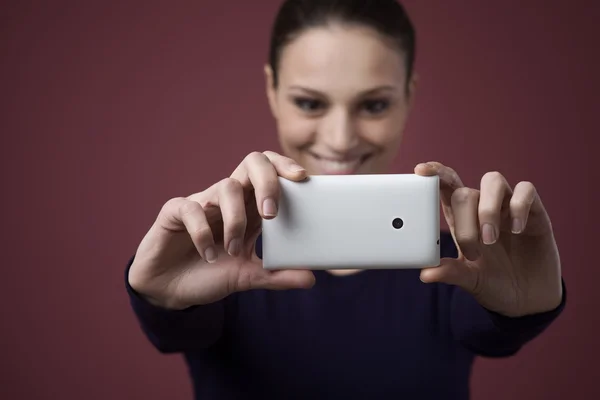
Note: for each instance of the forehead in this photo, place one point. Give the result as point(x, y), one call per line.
point(341, 58)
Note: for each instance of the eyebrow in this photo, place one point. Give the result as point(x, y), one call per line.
point(361, 94)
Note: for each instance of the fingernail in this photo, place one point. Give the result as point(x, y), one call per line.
point(235, 246)
point(210, 255)
point(296, 168)
point(488, 234)
point(517, 225)
point(269, 207)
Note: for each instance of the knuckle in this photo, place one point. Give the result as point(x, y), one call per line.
point(487, 213)
point(202, 234)
point(174, 201)
point(189, 207)
point(492, 178)
point(277, 159)
point(465, 238)
point(237, 225)
point(527, 185)
point(265, 181)
point(450, 170)
point(271, 187)
point(464, 194)
point(455, 179)
point(171, 207)
point(518, 204)
point(450, 174)
point(231, 184)
point(255, 156)
point(203, 198)
point(271, 154)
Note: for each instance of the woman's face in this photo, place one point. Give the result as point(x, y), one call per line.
point(342, 100)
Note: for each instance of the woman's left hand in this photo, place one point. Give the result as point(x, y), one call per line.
point(508, 258)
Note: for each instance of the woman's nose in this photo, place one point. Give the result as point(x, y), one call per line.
point(338, 132)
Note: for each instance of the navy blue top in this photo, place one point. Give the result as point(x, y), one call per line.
point(379, 334)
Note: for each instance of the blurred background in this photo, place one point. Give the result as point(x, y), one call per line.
point(110, 108)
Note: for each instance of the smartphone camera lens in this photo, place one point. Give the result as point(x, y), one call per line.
point(397, 223)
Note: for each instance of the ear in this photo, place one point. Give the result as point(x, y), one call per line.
point(271, 91)
point(412, 89)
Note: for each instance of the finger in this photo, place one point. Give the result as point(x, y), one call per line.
point(449, 179)
point(449, 183)
point(466, 225)
point(286, 279)
point(493, 201)
point(521, 203)
point(182, 214)
point(230, 199)
point(452, 272)
point(257, 172)
point(285, 166)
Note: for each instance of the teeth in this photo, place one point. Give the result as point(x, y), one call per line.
point(340, 165)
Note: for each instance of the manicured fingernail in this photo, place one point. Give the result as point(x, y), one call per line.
point(210, 255)
point(517, 225)
point(235, 246)
point(269, 207)
point(488, 234)
point(296, 168)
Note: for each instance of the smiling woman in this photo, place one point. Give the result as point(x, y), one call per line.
point(343, 109)
point(340, 85)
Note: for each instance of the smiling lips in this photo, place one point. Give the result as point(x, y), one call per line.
point(332, 166)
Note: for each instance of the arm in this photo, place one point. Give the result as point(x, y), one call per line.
point(199, 252)
point(487, 333)
point(170, 331)
point(509, 258)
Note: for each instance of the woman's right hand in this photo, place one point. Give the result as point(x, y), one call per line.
point(200, 249)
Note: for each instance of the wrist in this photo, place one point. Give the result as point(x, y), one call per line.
point(141, 289)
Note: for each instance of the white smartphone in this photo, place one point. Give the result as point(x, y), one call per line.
point(355, 221)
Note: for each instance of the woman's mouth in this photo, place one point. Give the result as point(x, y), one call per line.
point(338, 166)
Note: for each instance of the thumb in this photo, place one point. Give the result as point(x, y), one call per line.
point(289, 279)
point(282, 279)
point(452, 271)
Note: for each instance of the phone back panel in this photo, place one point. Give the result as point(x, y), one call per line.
point(347, 221)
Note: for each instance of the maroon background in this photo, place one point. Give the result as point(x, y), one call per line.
point(109, 109)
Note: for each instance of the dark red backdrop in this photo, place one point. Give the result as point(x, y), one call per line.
point(108, 109)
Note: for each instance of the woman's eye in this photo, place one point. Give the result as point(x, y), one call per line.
point(308, 105)
point(375, 106)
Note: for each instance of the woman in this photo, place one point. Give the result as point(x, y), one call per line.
point(340, 85)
